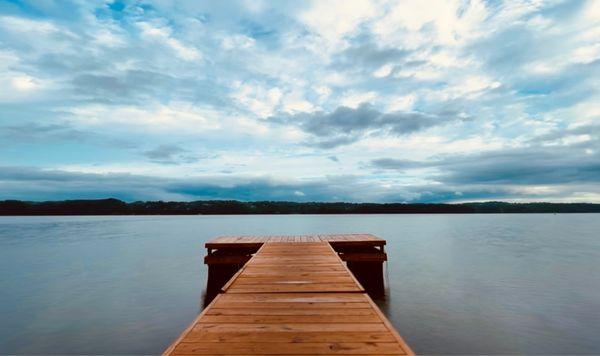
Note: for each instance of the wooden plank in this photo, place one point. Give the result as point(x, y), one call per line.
point(292, 274)
point(256, 241)
point(283, 319)
point(287, 311)
point(290, 327)
point(287, 336)
point(295, 296)
point(273, 348)
point(279, 268)
point(294, 288)
point(283, 279)
point(287, 305)
point(315, 257)
point(391, 328)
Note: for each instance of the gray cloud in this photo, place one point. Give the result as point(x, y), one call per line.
point(366, 54)
point(137, 86)
point(170, 154)
point(523, 166)
point(34, 130)
point(346, 125)
point(29, 183)
point(399, 164)
point(30, 132)
point(592, 130)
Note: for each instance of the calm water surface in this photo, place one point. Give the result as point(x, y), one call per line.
point(467, 284)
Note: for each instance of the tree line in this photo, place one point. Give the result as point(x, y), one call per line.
point(223, 207)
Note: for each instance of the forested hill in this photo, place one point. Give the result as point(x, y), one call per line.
point(213, 207)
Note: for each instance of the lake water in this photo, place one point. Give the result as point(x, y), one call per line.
point(463, 284)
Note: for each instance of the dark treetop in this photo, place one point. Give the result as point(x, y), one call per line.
point(118, 207)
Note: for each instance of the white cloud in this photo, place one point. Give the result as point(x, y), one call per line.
point(445, 59)
point(591, 11)
point(24, 83)
point(295, 102)
point(323, 91)
point(106, 37)
point(21, 87)
point(336, 79)
point(353, 99)
point(333, 20)
point(425, 73)
point(157, 117)
point(23, 25)
point(257, 98)
point(542, 67)
point(539, 23)
point(383, 71)
point(454, 21)
point(237, 42)
point(163, 34)
point(478, 83)
point(18, 81)
point(470, 86)
point(586, 54)
point(402, 103)
point(254, 5)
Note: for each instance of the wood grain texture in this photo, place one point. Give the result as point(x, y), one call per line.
point(257, 241)
point(295, 296)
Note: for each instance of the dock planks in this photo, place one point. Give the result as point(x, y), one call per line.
point(343, 240)
point(291, 298)
point(293, 267)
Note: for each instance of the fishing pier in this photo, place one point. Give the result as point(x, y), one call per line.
point(292, 295)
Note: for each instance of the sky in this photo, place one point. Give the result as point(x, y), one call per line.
point(357, 101)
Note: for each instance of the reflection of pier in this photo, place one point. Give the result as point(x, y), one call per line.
point(293, 295)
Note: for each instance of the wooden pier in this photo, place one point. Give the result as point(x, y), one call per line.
point(364, 255)
point(292, 296)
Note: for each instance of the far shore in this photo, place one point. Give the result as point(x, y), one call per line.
point(113, 206)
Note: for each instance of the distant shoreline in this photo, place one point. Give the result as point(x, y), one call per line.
point(232, 207)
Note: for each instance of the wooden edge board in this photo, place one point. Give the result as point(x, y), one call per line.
point(360, 287)
point(177, 341)
point(391, 328)
point(237, 274)
point(217, 245)
point(221, 241)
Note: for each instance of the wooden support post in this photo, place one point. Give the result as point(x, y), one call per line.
point(366, 264)
point(364, 255)
point(222, 265)
point(370, 275)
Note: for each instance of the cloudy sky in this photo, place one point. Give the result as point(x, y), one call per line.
point(404, 101)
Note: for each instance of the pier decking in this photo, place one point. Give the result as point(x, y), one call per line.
point(294, 296)
point(344, 240)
